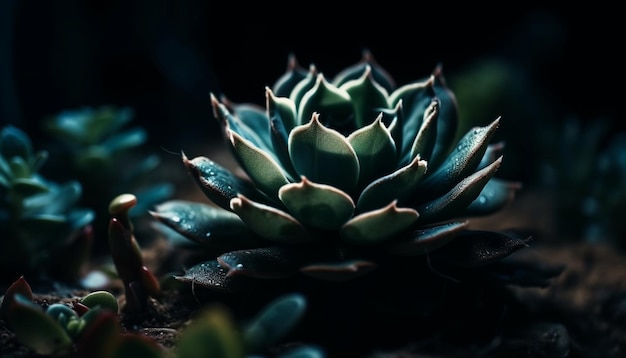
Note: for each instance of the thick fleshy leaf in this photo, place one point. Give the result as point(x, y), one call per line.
point(274, 322)
point(463, 160)
point(125, 140)
point(378, 225)
point(494, 150)
point(454, 202)
point(317, 205)
point(323, 155)
point(333, 105)
point(266, 173)
point(35, 329)
point(415, 98)
point(214, 276)
point(496, 194)
point(205, 224)
point(427, 240)
point(292, 76)
point(255, 118)
point(380, 75)
point(19, 286)
point(137, 345)
point(218, 183)
point(281, 108)
point(267, 262)
point(396, 186)
point(339, 271)
point(29, 186)
point(424, 141)
point(212, 333)
point(375, 149)
point(368, 97)
point(230, 122)
point(269, 222)
point(447, 120)
point(15, 143)
point(473, 248)
point(302, 88)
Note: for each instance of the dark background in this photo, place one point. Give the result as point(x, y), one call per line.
point(163, 58)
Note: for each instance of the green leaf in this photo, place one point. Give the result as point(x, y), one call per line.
point(102, 299)
point(15, 143)
point(398, 185)
point(293, 75)
point(213, 275)
point(271, 262)
point(426, 137)
point(496, 194)
point(205, 224)
point(425, 241)
point(474, 248)
point(379, 74)
point(269, 222)
point(368, 97)
point(266, 173)
point(455, 201)
point(274, 322)
point(339, 271)
point(463, 160)
point(219, 184)
point(137, 345)
point(375, 149)
point(317, 205)
point(378, 225)
point(323, 155)
point(212, 333)
point(333, 105)
point(37, 330)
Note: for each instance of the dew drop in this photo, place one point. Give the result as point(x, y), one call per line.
point(175, 219)
point(482, 199)
point(239, 266)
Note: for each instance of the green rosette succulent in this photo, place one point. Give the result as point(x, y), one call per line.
point(43, 232)
point(345, 177)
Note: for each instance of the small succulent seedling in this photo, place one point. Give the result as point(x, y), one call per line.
point(139, 282)
point(43, 233)
point(56, 329)
point(345, 178)
point(90, 327)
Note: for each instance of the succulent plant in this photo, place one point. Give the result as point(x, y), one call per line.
point(343, 178)
point(583, 166)
point(42, 230)
point(107, 158)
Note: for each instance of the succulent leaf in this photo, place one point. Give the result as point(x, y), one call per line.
point(262, 168)
point(269, 222)
point(399, 184)
point(333, 102)
point(378, 225)
point(429, 239)
point(368, 97)
point(204, 224)
point(320, 206)
point(459, 197)
point(374, 146)
point(323, 155)
point(339, 271)
point(276, 319)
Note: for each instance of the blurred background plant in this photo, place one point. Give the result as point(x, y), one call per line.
point(584, 172)
point(108, 160)
point(43, 231)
